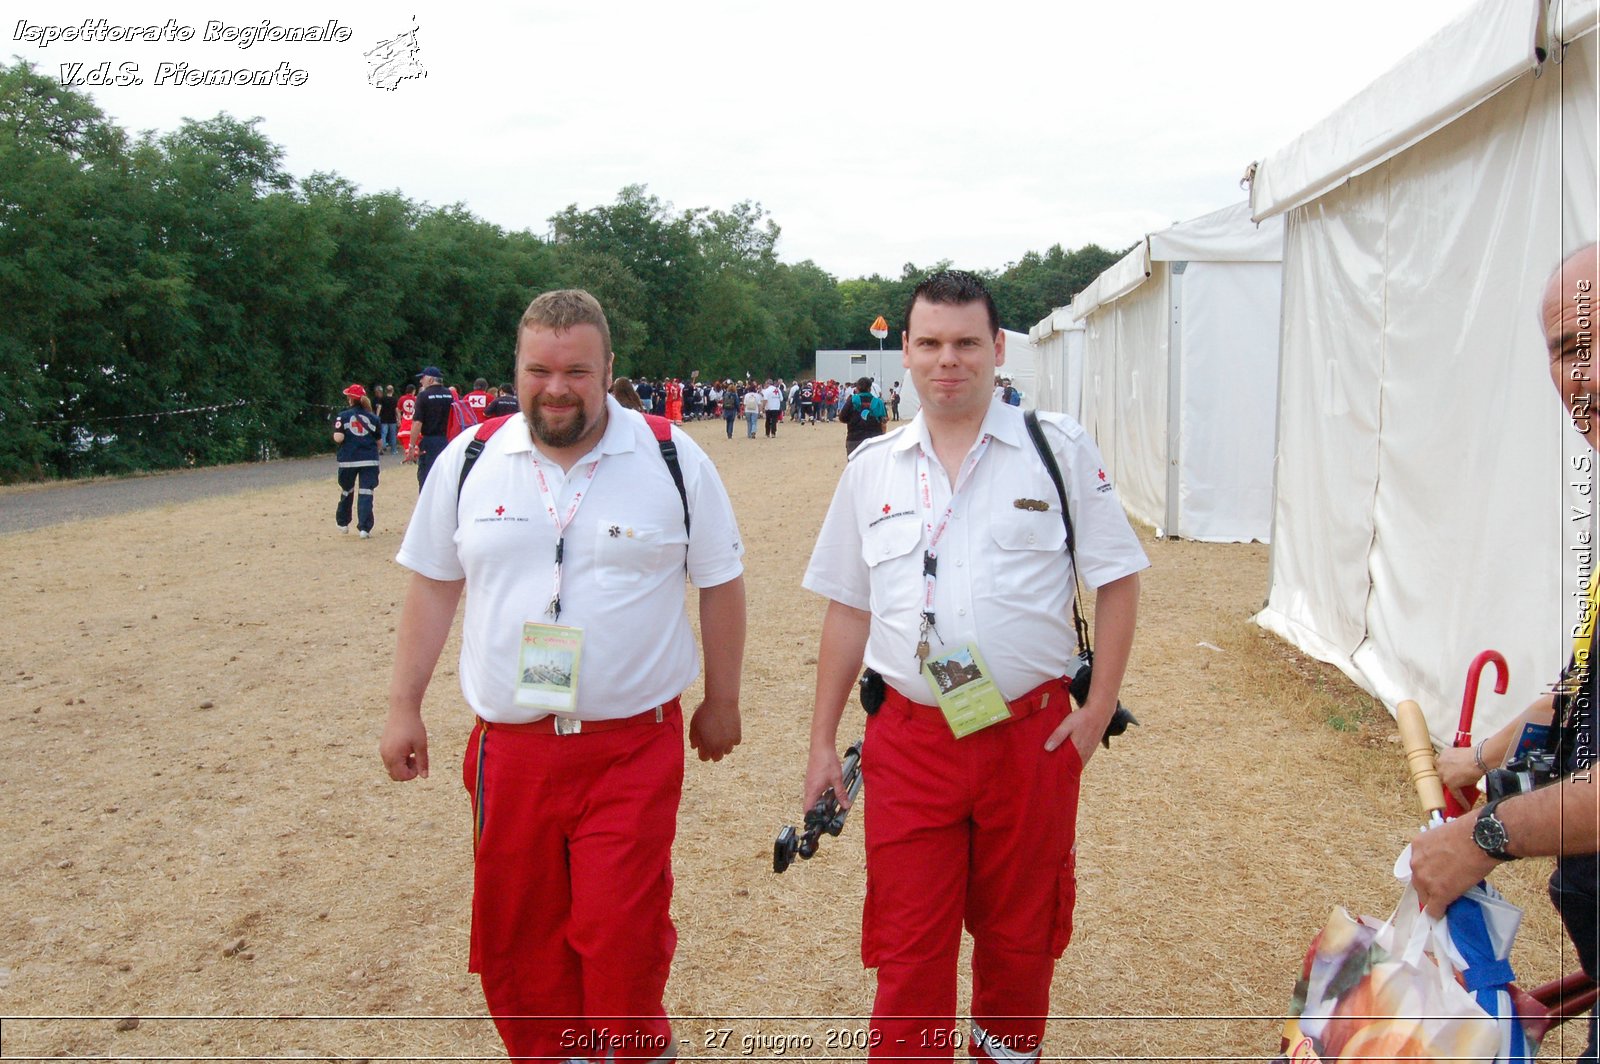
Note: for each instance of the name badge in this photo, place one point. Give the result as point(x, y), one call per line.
point(547, 666)
point(968, 698)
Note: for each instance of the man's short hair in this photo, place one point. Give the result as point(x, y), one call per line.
point(954, 288)
point(560, 310)
point(480, 384)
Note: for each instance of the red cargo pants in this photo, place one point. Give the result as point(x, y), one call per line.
point(572, 885)
point(979, 830)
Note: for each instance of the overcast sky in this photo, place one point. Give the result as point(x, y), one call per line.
point(875, 133)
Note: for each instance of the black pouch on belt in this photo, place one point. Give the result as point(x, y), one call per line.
point(871, 686)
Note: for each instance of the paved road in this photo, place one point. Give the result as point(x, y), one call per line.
point(23, 509)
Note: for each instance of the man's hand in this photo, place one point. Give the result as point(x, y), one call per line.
point(404, 747)
point(1446, 863)
point(1458, 770)
point(1079, 729)
point(823, 770)
point(714, 729)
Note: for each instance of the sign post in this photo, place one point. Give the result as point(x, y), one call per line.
point(880, 329)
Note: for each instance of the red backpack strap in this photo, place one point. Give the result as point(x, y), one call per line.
point(476, 444)
point(662, 428)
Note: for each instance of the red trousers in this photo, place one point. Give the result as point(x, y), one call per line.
point(979, 830)
point(571, 931)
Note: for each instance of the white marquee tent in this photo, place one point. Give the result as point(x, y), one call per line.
point(1180, 373)
point(1058, 369)
point(1424, 496)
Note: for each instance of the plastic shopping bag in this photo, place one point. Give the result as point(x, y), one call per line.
point(1384, 991)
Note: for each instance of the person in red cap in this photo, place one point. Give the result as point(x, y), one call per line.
point(356, 430)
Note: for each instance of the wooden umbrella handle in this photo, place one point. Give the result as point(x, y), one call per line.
point(1418, 746)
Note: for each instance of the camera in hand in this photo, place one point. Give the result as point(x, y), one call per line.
point(1529, 772)
point(1080, 669)
point(825, 817)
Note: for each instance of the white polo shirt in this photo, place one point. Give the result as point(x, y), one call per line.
point(622, 573)
point(1004, 581)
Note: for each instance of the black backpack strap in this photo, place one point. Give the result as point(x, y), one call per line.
point(1048, 457)
point(475, 447)
point(662, 428)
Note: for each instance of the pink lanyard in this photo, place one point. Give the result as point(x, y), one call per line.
point(930, 554)
point(561, 523)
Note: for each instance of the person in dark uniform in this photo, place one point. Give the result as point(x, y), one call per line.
point(431, 421)
point(504, 403)
point(1561, 819)
point(388, 416)
point(357, 431)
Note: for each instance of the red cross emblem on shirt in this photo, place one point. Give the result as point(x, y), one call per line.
point(1101, 474)
point(499, 510)
point(885, 508)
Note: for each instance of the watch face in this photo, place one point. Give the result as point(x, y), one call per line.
point(1490, 834)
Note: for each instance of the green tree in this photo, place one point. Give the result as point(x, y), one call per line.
point(62, 175)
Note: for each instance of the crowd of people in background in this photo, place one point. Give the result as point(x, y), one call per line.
point(413, 423)
point(764, 403)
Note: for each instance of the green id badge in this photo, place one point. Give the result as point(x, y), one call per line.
point(547, 666)
point(967, 697)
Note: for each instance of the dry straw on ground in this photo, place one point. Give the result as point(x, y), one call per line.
point(199, 833)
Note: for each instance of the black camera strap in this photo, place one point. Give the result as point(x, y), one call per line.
point(1576, 695)
point(1048, 457)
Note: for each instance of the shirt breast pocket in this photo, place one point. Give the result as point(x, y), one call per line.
point(627, 555)
point(1027, 547)
point(889, 549)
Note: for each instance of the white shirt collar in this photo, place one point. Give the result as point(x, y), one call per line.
point(1002, 421)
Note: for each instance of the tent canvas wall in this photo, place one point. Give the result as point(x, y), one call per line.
point(1427, 478)
point(1058, 368)
point(1180, 375)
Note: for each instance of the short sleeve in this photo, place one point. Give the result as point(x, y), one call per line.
point(716, 550)
point(430, 544)
point(1107, 548)
point(838, 568)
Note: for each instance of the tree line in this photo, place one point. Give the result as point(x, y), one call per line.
point(179, 299)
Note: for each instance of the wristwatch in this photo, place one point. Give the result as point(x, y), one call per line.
point(1490, 834)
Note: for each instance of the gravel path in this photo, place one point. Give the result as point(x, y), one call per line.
point(38, 506)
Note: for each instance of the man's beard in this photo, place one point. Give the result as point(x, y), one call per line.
point(559, 438)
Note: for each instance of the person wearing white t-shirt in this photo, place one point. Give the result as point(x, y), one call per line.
point(945, 545)
point(573, 540)
point(773, 395)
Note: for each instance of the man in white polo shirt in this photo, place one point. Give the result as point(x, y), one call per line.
point(572, 539)
point(945, 548)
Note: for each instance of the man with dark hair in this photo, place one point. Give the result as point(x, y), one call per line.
point(504, 403)
point(944, 554)
point(478, 398)
point(388, 416)
point(953, 288)
point(431, 421)
point(863, 416)
point(1562, 819)
point(572, 537)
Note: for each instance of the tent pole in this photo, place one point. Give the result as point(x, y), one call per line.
point(1174, 392)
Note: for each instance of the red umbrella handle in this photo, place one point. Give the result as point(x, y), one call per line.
point(1469, 697)
point(1469, 705)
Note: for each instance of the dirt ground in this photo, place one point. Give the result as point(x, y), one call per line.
point(204, 858)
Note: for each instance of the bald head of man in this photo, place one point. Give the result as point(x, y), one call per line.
point(1567, 314)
